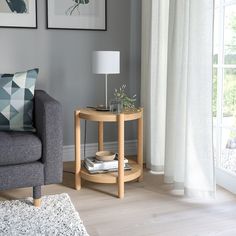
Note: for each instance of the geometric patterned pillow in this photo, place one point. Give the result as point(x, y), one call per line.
point(16, 100)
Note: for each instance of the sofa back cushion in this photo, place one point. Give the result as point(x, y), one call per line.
point(16, 100)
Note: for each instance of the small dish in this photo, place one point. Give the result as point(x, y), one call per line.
point(105, 156)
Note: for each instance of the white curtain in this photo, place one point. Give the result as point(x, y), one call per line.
point(176, 92)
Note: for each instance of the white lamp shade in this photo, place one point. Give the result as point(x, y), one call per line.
point(106, 62)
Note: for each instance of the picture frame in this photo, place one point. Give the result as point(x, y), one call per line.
point(77, 14)
point(18, 14)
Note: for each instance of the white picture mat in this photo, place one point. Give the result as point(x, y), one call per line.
point(20, 20)
point(97, 21)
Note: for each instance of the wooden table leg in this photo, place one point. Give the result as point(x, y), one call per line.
point(121, 127)
point(77, 152)
point(140, 146)
point(100, 136)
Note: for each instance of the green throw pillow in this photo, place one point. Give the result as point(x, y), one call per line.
point(16, 100)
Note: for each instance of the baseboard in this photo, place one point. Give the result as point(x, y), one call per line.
point(91, 149)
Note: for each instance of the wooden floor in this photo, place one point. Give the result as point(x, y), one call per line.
point(149, 208)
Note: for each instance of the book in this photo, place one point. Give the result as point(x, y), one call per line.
point(101, 165)
point(92, 171)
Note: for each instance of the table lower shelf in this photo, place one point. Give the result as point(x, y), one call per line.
point(112, 177)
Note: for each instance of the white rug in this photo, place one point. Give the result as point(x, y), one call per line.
point(56, 216)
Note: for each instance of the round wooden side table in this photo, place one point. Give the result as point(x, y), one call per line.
point(121, 176)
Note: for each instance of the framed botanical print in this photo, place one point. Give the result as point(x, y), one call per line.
point(77, 14)
point(18, 13)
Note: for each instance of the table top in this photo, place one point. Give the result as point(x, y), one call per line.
point(93, 115)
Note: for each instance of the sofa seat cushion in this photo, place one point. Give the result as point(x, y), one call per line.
point(19, 147)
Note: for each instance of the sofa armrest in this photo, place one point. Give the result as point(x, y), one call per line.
point(48, 124)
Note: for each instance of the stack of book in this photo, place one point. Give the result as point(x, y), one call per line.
point(94, 166)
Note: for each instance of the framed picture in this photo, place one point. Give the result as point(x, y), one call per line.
point(18, 13)
point(77, 14)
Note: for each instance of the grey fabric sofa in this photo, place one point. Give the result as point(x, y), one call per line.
point(29, 159)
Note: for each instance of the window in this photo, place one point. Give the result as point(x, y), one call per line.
point(224, 85)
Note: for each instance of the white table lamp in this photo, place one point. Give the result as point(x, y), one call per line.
point(106, 62)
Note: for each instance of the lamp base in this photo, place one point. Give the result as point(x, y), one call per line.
point(102, 108)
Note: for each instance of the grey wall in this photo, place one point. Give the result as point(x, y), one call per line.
point(64, 59)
